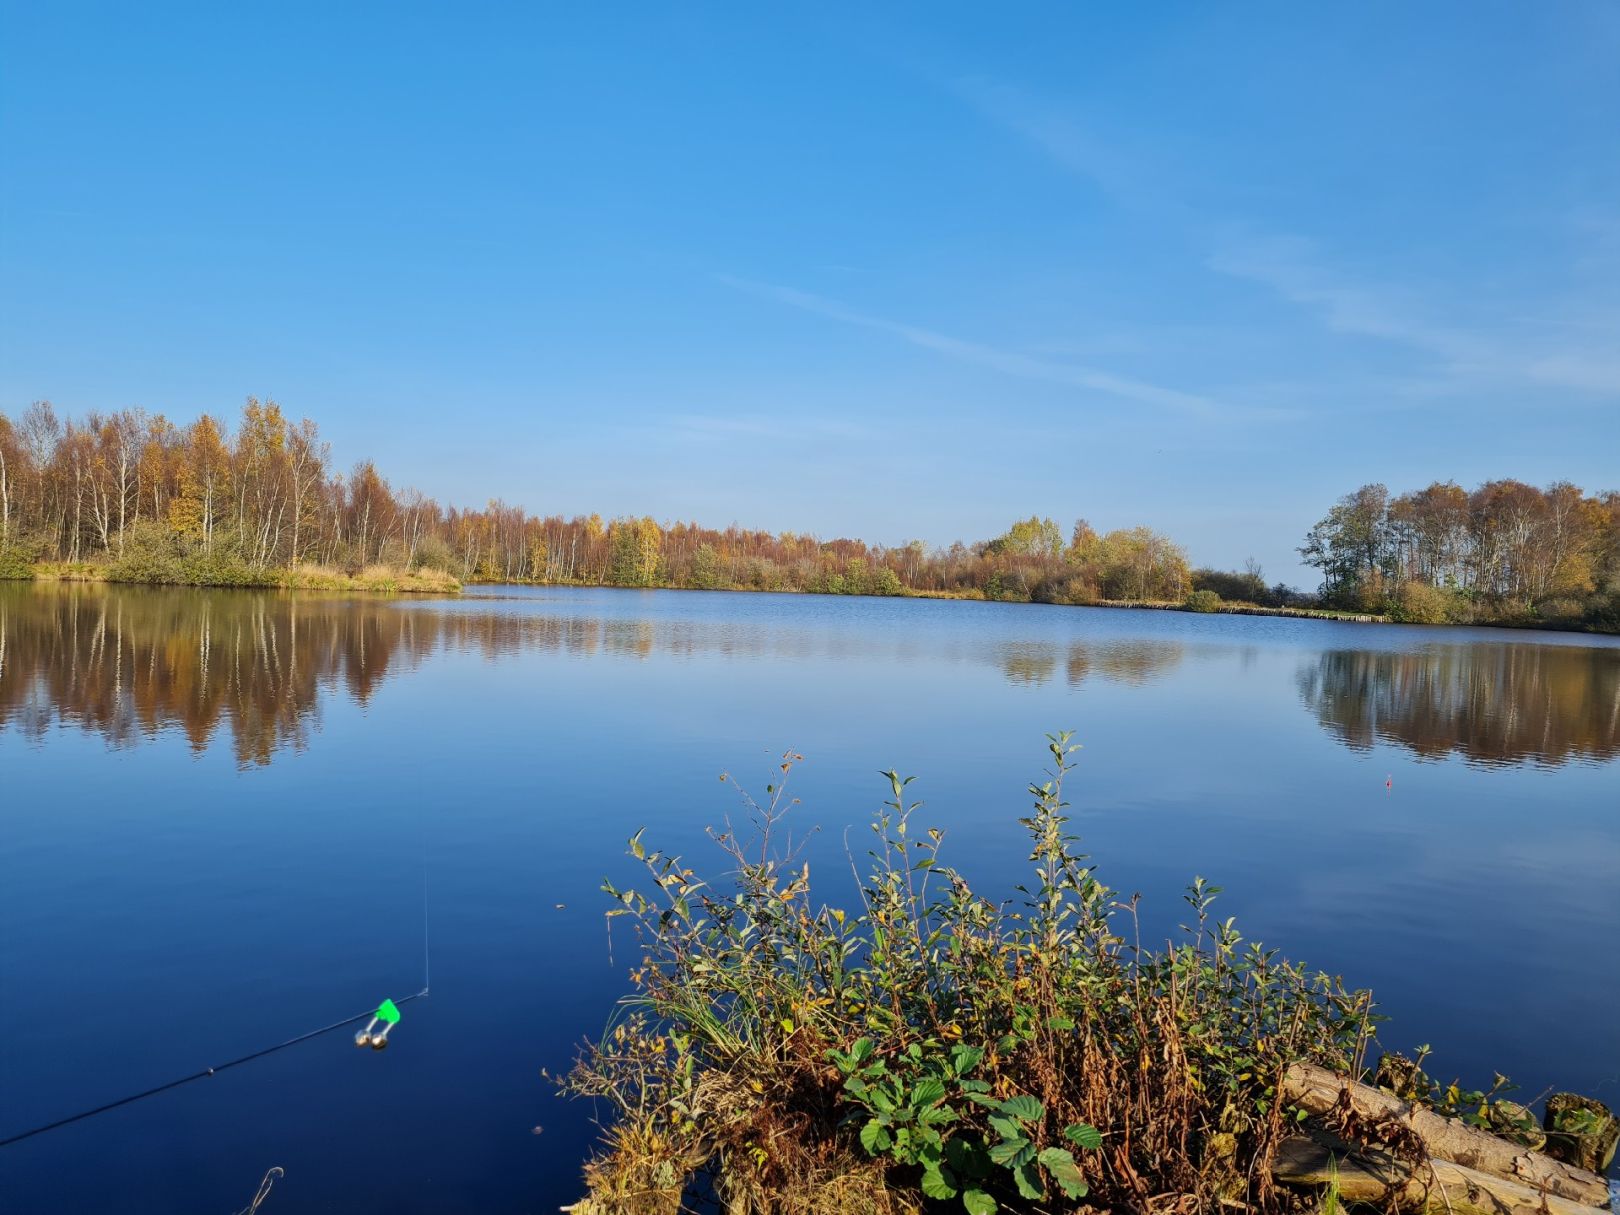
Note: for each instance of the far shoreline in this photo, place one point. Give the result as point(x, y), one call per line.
point(391, 580)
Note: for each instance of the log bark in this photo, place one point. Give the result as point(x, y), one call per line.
point(1317, 1089)
point(1436, 1185)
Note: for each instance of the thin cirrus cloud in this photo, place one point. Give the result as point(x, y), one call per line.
point(1290, 267)
point(1295, 270)
point(1066, 142)
point(1009, 362)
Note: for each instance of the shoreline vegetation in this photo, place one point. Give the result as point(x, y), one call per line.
point(932, 1050)
point(132, 497)
point(385, 579)
point(425, 580)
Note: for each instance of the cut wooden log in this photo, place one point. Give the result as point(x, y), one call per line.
point(1377, 1178)
point(1317, 1089)
point(1582, 1131)
point(1517, 1124)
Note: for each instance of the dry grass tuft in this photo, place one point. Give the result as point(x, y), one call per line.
point(386, 578)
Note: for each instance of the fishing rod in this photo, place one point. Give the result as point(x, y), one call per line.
point(387, 1013)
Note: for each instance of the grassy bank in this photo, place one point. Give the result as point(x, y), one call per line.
point(303, 577)
point(1197, 602)
point(933, 1049)
point(193, 571)
point(371, 578)
point(1224, 608)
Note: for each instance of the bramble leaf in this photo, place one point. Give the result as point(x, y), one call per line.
point(1059, 1163)
point(935, 1185)
point(1023, 1108)
point(1028, 1180)
point(967, 1159)
point(928, 1092)
point(966, 1058)
point(1013, 1153)
point(1087, 1136)
point(1006, 1127)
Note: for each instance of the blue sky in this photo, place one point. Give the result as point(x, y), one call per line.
point(885, 270)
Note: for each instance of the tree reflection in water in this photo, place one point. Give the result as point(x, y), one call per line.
point(1033, 663)
point(1495, 704)
point(128, 662)
point(254, 666)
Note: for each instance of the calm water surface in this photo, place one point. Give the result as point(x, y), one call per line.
point(219, 813)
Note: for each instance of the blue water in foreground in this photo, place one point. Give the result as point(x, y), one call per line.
point(219, 812)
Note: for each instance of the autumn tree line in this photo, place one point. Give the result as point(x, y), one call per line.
point(131, 496)
point(1503, 552)
point(134, 497)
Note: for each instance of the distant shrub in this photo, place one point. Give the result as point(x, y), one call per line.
point(884, 581)
point(155, 555)
point(149, 553)
point(1203, 601)
point(1234, 586)
point(221, 566)
point(1011, 586)
point(17, 558)
point(705, 572)
point(761, 574)
point(433, 553)
point(857, 578)
point(1564, 610)
point(1067, 589)
point(1420, 603)
point(1603, 610)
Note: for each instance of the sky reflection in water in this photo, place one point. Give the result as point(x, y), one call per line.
point(222, 807)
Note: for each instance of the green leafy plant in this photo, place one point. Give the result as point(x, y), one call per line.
point(1485, 1108)
point(1017, 1124)
point(939, 1045)
point(909, 1107)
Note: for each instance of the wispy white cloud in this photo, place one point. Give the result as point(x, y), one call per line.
point(1009, 362)
point(1056, 132)
point(1587, 372)
point(1572, 353)
point(1290, 266)
point(1463, 357)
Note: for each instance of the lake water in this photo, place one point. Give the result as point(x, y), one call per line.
point(227, 818)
